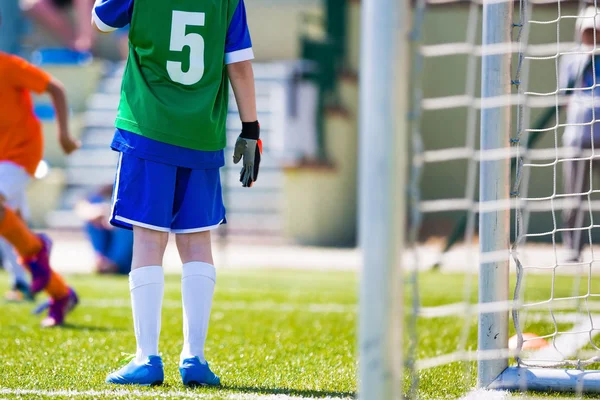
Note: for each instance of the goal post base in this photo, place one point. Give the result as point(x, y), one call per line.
point(545, 379)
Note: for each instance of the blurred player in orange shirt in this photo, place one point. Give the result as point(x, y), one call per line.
point(21, 150)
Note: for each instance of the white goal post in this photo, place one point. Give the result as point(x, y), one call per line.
point(494, 371)
point(494, 186)
point(508, 197)
point(381, 158)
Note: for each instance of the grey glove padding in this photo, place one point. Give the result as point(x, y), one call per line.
point(250, 151)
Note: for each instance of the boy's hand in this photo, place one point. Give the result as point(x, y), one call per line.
point(68, 143)
point(249, 147)
point(57, 93)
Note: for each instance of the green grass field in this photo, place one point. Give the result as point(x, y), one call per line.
point(273, 335)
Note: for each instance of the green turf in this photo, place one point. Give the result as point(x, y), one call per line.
point(271, 332)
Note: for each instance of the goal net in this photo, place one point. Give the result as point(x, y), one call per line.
point(504, 194)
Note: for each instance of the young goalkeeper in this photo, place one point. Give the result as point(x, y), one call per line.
point(171, 135)
point(21, 148)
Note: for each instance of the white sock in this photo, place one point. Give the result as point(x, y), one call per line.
point(11, 265)
point(197, 288)
point(147, 286)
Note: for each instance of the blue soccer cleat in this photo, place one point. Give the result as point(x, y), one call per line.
point(150, 373)
point(195, 373)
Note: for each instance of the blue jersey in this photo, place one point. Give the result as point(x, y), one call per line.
point(110, 15)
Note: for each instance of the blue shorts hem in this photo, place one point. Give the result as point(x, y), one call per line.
point(114, 221)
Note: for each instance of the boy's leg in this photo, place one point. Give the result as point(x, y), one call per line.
point(15, 232)
point(33, 249)
point(17, 179)
point(197, 289)
point(13, 184)
point(20, 282)
point(147, 285)
point(10, 263)
point(198, 209)
point(143, 201)
point(35, 253)
point(576, 180)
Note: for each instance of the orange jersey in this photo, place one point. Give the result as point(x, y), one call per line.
point(21, 139)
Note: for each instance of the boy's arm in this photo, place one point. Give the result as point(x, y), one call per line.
point(110, 15)
point(238, 53)
point(248, 145)
point(27, 76)
point(85, 33)
point(56, 91)
point(241, 76)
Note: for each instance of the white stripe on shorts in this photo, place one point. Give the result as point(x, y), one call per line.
point(116, 188)
point(141, 224)
point(196, 230)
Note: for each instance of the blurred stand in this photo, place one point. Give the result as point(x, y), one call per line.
point(12, 27)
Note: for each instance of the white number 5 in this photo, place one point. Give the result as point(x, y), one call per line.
point(179, 39)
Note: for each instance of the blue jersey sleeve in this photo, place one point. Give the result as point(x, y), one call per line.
point(110, 15)
point(238, 45)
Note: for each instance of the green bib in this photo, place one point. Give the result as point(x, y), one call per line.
point(175, 87)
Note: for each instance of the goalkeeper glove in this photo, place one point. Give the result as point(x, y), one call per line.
point(249, 147)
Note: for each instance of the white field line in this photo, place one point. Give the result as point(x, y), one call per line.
point(446, 310)
point(463, 308)
point(155, 394)
point(237, 305)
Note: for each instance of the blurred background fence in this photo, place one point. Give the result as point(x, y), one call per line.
point(307, 81)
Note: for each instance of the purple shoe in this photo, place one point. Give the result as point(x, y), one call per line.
point(58, 309)
point(39, 266)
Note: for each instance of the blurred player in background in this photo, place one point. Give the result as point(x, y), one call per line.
point(171, 136)
point(19, 286)
point(21, 149)
point(113, 246)
point(581, 72)
point(11, 29)
point(52, 15)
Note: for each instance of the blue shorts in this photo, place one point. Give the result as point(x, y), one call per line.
point(165, 197)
